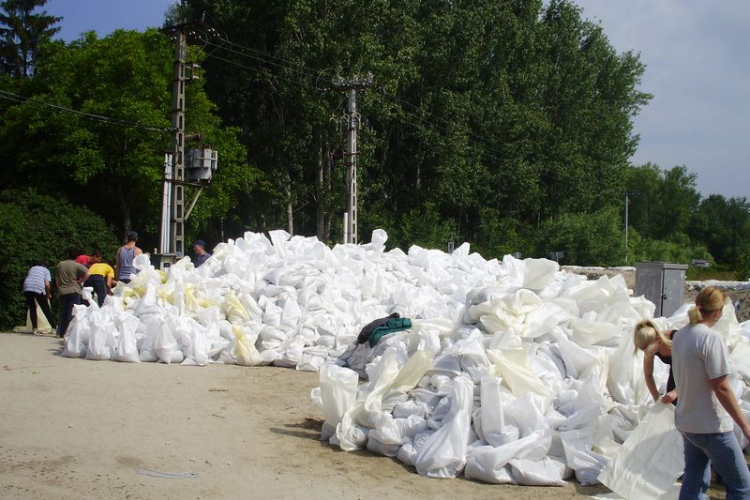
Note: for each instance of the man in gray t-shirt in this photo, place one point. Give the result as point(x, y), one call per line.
point(69, 275)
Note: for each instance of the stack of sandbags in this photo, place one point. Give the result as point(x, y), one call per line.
point(537, 381)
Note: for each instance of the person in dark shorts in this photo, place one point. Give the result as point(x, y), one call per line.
point(69, 275)
point(37, 290)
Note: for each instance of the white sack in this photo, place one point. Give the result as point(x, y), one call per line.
point(444, 453)
point(650, 460)
point(127, 345)
point(338, 392)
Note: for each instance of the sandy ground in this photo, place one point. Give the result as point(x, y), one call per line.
point(79, 429)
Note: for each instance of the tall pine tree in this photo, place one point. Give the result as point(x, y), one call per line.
point(23, 27)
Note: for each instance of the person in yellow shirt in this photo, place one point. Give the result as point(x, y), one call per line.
point(101, 277)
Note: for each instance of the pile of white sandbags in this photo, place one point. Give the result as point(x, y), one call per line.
point(537, 380)
point(287, 301)
point(513, 371)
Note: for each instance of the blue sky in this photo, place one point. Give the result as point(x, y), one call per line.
point(697, 56)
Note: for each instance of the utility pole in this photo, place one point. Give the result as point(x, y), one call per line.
point(177, 230)
point(202, 161)
point(627, 197)
point(352, 119)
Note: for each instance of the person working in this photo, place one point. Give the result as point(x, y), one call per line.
point(36, 289)
point(654, 343)
point(101, 277)
point(69, 275)
point(707, 409)
point(124, 264)
point(201, 255)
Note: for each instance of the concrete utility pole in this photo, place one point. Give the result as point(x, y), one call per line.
point(202, 162)
point(177, 245)
point(352, 119)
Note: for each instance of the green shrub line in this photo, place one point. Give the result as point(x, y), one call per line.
point(40, 229)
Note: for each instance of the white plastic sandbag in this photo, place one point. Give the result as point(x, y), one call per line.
point(166, 347)
point(444, 453)
point(544, 472)
point(127, 345)
point(102, 342)
point(338, 392)
point(78, 335)
point(491, 464)
point(495, 431)
point(243, 347)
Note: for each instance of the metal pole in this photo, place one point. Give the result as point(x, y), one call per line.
point(626, 223)
point(351, 166)
point(166, 202)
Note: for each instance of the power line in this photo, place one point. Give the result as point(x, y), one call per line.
point(266, 57)
point(90, 116)
point(309, 72)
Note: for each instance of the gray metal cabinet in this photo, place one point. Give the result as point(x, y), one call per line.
point(663, 284)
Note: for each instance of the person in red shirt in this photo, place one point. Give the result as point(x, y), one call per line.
point(83, 259)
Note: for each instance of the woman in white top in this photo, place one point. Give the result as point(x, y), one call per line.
point(707, 409)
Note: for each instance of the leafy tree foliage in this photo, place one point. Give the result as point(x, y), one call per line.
point(723, 225)
point(493, 114)
point(743, 270)
point(662, 202)
point(23, 28)
point(506, 124)
point(40, 228)
point(672, 222)
point(585, 239)
point(115, 164)
point(646, 250)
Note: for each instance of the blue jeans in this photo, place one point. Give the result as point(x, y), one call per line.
point(724, 452)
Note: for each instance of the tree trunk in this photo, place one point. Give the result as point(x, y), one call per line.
point(289, 207)
point(327, 182)
point(320, 195)
point(124, 209)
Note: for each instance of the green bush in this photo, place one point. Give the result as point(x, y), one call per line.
point(427, 228)
point(595, 239)
point(36, 228)
point(681, 251)
point(743, 268)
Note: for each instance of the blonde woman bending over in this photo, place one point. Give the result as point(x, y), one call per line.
point(708, 409)
point(655, 343)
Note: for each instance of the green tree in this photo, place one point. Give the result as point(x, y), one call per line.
point(594, 239)
point(23, 28)
point(662, 202)
point(109, 154)
point(498, 114)
point(723, 225)
point(41, 229)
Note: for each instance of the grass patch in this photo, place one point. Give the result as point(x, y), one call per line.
point(705, 274)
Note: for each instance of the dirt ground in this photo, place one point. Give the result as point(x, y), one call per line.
point(80, 429)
